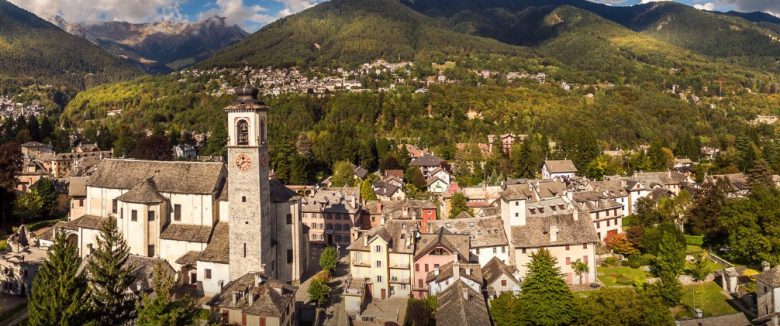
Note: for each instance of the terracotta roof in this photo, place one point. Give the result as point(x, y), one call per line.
point(170, 177)
point(187, 232)
point(536, 232)
point(770, 277)
point(560, 166)
point(257, 296)
point(460, 305)
point(218, 249)
point(143, 193)
point(78, 187)
point(495, 268)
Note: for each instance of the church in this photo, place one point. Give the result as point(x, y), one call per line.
point(212, 222)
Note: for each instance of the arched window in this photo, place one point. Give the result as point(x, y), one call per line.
point(262, 131)
point(242, 132)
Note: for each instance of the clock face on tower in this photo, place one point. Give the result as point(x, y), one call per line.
point(243, 161)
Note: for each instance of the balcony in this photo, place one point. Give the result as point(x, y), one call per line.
point(399, 280)
point(399, 266)
point(361, 263)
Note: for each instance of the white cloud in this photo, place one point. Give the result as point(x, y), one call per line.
point(768, 6)
point(249, 17)
point(134, 11)
point(649, 1)
point(709, 6)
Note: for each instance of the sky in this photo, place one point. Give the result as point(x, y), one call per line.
point(253, 14)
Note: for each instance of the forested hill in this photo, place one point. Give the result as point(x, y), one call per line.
point(747, 39)
point(33, 49)
point(348, 32)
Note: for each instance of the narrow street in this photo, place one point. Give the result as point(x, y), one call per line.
point(331, 314)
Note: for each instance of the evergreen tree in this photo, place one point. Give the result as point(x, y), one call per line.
point(367, 190)
point(59, 288)
point(546, 299)
point(522, 160)
point(506, 310)
point(109, 277)
point(46, 129)
point(48, 195)
point(217, 140)
point(459, 204)
point(35, 129)
point(10, 163)
point(160, 307)
point(760, 174)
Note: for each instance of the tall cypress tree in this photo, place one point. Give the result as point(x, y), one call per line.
point(109, 277)
point(546, 299)
point(59, 288)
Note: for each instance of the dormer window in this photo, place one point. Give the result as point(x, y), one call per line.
point(242, 132)
point(533, 210)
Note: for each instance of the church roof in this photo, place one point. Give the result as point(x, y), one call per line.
point(143, 193)
point(170, 177)
point(187, 232)
point(218, 249)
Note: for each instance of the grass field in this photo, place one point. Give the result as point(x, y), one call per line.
point(708, 298)
point(620, 275)
point(693, 249)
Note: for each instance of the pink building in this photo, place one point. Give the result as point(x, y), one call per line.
point(433, 252)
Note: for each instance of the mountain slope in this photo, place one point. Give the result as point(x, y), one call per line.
point(33, 49)
point(352, 32)
point(726, 36)
point(159, 47)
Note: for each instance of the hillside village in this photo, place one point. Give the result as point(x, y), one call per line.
point(465, 245)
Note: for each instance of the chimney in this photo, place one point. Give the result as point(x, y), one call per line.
point(259, 280)
point(365, 240)
point(436, 270)
point(576, 214)
point(235, 297)
point(553, 233)
point(465, 292)
point(765, 266)
point(456, 270)
point(379, 206)
point(251, 298)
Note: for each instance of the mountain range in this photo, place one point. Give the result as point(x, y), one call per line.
point(159, 47)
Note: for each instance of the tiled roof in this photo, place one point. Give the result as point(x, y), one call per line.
point(257, 296)
point(495, 268)
point(170, 177)
point(482, 231)
point(455, 243)
point(218, 249)
point(536, 232)
point(470, 271)
point(462, 306)
point(78, 187)
point(517, 192)
point(187, 232)
point(400, 233)
point(190, 258)
point(426, 160)
point(560, 166)
point(770, 277)
point(143, 193)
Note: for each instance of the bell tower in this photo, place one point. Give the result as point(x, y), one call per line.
point(248, 189)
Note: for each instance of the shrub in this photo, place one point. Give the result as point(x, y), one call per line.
point(636, 261)
point(622, 280)
point(610, 261)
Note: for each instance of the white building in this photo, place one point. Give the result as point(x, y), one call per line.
point(560, 169)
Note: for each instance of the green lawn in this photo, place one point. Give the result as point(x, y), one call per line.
point(708, 298)
point(693, 249)
point(620, 275)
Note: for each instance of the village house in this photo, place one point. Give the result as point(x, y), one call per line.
point(606, 214)
point(506, 140)
point(561, 170)
point(433, 251)
point(427, 163)
point(448, 274)
point(486, 235)
point(768, 296)
point(254, 299)
point(383, 256)
point(330, 214)
point(500, 278)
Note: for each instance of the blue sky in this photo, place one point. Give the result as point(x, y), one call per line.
point(253, 14)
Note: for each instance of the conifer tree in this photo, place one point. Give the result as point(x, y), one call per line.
point(760, 174)
point(160, 308)
point(546, 299)
point(109, 278)
point(59, 288)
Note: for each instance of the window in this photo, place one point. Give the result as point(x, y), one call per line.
point(607, 222)
point(568, 260)
point(584, 246)
point(244, 249)
point(598, 225)
point(523, 250)
point(426, 268)
point(419, 283)
point(517, 203)
point(379, 278)
point(585, 259)
point(345, 227)
point(81, 203)
point(477, 251)
point(177, 212)
point(121, 213)
point(495, 250)
point(338, 227)
point(243, 199)
point(567, 247)
point(150, 215)
point(503, 282)
point(328, 226)
point(416, 267)
point(134, 215)
point(289, 256)
point(114, 206)
point(378, 263)
point(207, 274)
point(242, 132)
point(289, 219)
point(150, 251)
point(503, 250)
point(378, 248)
